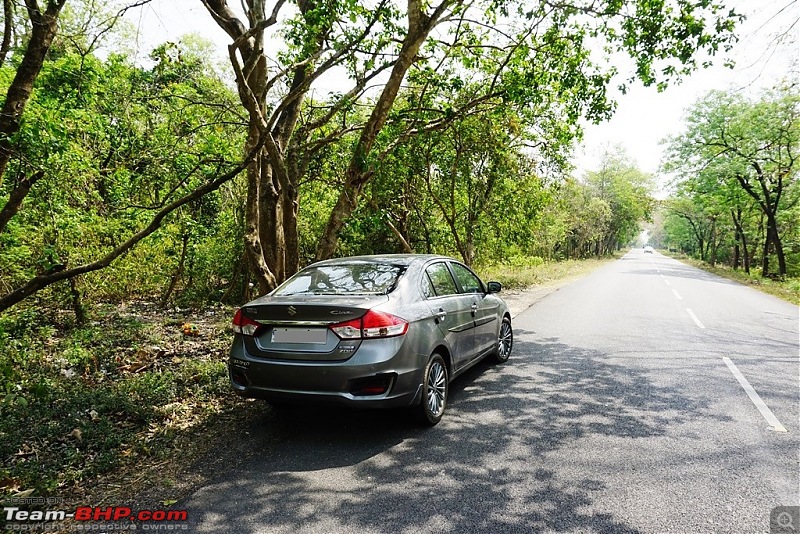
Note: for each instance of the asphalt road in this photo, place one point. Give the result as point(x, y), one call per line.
point(619, 412)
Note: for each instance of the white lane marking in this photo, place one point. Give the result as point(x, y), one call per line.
point(695, 319)
point(676, 295)
point(763, 408)
point(667, 282)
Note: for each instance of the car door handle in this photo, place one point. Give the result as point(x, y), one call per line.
point(440, 315)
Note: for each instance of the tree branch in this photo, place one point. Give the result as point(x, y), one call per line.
point(43, 280)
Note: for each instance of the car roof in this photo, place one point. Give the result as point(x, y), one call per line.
point(394, 259)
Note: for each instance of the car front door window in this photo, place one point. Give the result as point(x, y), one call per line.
point(469, 282)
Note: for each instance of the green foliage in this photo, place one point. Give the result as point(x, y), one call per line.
point(116, 142)
point(736, 178)
point(624, 199)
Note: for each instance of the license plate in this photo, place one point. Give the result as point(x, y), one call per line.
point(300, 335)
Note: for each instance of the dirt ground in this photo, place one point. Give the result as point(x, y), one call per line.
point(519, 300)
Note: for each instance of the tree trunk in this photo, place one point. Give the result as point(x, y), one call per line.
point(239, 271)
point(713, 241)
point(765, 259)
point(271, 231)
point(252, 235)
point(178, 271)
point(44, 26)
point(291, 233)
point(746, 254)
point(8, 20)
point(18, 194)
point(773, 236)
point(77, 305)
point(740, 236)
point(358, 173)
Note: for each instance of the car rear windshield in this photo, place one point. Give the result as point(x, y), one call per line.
point(360, 278)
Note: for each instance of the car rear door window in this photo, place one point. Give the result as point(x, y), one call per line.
point(466, 279)
point(427, 287)
point(350, 278)
point(441, 279)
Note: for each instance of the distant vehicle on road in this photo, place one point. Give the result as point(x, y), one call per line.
point(648, 249)
point(370, 331)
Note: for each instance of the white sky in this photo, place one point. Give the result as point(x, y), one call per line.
point(643, 118)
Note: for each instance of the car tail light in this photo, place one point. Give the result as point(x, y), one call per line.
point(244, 325)
point(348, 329)
point(372, 325)
point(379, 324)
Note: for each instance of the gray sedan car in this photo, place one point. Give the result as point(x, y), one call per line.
point(370, 331)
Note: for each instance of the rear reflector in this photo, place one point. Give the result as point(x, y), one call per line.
point(373, 324)
point(244, 325)
point(374, 385)
point(239, 378)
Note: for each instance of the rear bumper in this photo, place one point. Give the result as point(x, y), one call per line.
point(331, 382)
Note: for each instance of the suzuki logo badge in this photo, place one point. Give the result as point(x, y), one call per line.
point(292, 311)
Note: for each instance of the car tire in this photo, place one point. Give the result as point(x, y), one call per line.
point(435, 388)
point(505, 341)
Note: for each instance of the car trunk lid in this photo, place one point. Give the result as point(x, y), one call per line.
point(298, 327)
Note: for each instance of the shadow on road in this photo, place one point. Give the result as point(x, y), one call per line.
point(485, 468)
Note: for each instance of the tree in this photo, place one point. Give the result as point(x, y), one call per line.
point(628, 193)
point(113, 161)
point(44, 24)
point(690, 226)
point(753, 146)
point(542, 64)
point(318, 38)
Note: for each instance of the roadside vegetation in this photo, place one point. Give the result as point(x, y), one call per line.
point(734, 209)
point(142, 200)
point(522, 274)
point(735, 198)
point(125, 390)
point(785, 288)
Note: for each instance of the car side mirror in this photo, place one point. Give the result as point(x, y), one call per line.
point(494, 287)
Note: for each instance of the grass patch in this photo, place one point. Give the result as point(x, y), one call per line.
point(527, 272)
point(787, 289)
point(77, 403)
